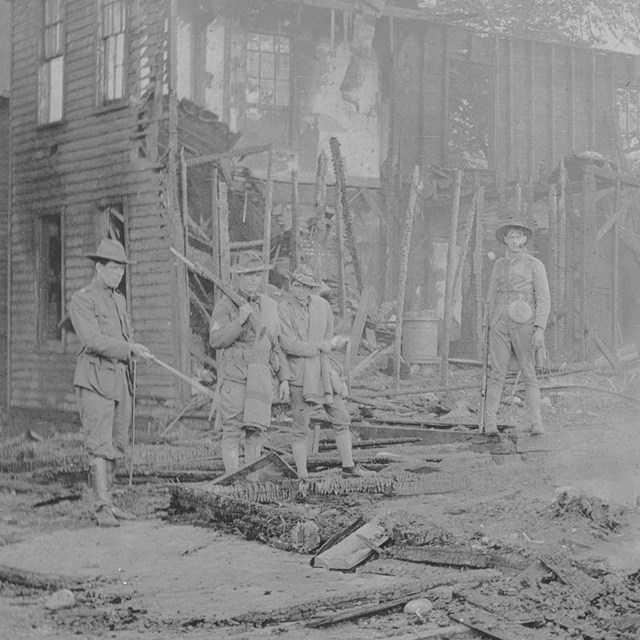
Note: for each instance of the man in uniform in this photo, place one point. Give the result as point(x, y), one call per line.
point(307, 338)
point(102, 378)
point(249, 337)
point(519, 305)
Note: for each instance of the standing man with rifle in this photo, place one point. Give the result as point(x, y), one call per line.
point(245, 325)
point(103, 376)
point(518, 308)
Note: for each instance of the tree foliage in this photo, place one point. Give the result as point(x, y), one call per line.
point(596, 23)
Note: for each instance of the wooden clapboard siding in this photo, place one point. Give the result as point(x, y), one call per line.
point(4, 229)
point(74, 166)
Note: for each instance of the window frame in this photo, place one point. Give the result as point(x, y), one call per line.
point(624, 111)
point(43, 320)
point(102, 70)
point(261, 106)
point(48, 61)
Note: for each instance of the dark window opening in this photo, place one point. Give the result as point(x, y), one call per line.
point(51, 289)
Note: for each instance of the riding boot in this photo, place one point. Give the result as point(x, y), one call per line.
point(299, 450)
point(99, 482)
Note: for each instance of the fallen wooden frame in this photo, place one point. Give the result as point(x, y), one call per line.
point(271, 459)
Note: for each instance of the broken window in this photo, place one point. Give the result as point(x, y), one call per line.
point(268, 73)
point(470, 106)
point(111, 51)
point(628, 106)
point(51, 72)
point(50, 277)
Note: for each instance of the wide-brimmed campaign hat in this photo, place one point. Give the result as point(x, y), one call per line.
point(501, 232)
point(304, 275)
point(249, 262)
point(110, 250)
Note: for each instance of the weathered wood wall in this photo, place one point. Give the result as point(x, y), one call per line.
point(97, 156)
point(548, 100)
point(4, 211)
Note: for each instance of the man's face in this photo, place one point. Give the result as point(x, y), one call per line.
point(249, 283)
point(110, 273)
point(300, 291)
point(515, 239)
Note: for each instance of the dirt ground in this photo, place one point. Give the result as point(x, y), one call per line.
point(573, 494)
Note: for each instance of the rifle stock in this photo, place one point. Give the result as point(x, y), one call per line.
point(227, 289)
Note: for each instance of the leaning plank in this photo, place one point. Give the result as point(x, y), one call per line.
point(35, 580)
point(353, 550)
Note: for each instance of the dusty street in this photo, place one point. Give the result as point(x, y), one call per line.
point(164, 576)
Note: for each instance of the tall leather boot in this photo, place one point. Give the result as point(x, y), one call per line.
point(230, 454)
point(111, 475)
point(100, 484)
point(299, 450)
point(491, 402)
point(532, 391)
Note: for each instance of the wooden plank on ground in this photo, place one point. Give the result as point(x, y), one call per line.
point(351, 551)
point(585, 586)
point(495, 627)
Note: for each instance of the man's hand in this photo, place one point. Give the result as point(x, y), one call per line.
point(339, 342)
point(283, 394)
point(537, 340)
point(244, 312)
point(140, 351)
point(325, 347)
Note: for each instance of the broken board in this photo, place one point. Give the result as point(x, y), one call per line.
point(271, 463)
point(352, 550)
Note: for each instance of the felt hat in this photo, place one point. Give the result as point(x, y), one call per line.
point(110, 250)
point(249, 262)
point(304, 275)
point(501, 232)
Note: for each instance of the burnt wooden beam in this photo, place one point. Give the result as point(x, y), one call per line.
point(225, 155)
point(295, 226)
point(449, 280)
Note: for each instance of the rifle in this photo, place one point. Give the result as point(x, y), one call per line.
point(485, 366)
point(227, 289)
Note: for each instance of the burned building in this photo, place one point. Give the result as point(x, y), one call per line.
point(202, 126)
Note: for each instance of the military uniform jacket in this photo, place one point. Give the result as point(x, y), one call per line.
point(521, 278)
point(100, 319)
point(238, 341)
